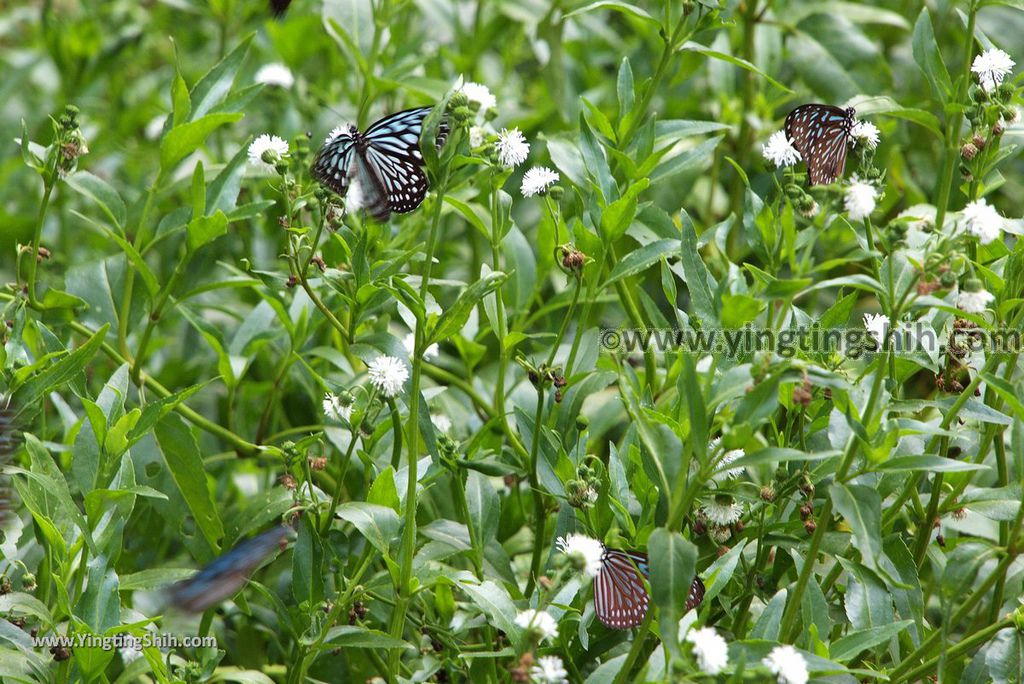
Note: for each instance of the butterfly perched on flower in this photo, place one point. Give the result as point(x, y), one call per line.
point(820, 134)
point(382, 168)
point(620, 597)
point(225, 575)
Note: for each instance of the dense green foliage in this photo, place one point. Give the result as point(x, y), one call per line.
point(195, 355)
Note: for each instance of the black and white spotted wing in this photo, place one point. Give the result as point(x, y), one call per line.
point(385, 162)
point(820, 134)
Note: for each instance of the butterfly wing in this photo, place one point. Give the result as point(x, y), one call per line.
point(225, 575)
point(696, 593)
point(394, 153)
point(620, 597)
point(820, 133)
point(333, 163)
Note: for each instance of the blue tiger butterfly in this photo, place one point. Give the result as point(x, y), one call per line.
point(225, 575)
point(820, 134)
point(620, 597)
point(385, 162)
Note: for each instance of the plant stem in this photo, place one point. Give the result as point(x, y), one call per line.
point(141, 233)
point(793, 602)
point(156, 313)
point(950, 162)
point(408, 543)
point(37, 234)
point(538, 497)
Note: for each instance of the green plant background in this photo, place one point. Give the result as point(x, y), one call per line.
point(166, 367)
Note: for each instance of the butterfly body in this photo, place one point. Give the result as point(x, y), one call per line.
point(820, 133)
point(380, 169)
point(621, 600)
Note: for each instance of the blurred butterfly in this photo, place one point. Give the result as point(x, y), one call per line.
point(383, 166)
point(224, 576)
point(820, 134)
point(620, 597)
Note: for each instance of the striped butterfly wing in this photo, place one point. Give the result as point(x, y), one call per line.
point(620, 597)
point(394, 155)
point(225, 575)
point(820, 134)
point(333, 163)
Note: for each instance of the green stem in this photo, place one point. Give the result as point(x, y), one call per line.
point(957, 649)
point(538, 496)
point(951, 159)
point(125, 312)
point(158, 308)
point(37, 234)
point(787, 627)
point(408, 543)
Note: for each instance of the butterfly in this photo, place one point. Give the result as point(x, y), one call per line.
point(384, 163)
point(820, 134)
point(224, 576)
point(620, 597)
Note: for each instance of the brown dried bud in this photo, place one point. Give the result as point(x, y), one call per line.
point(998, 129)
point(960, 513)
point(60, 653)
point(722, 550)
point(806, 511)
point(43, 253)
point(767, 493)
point(802, 395)
point(940, 540)
point(292, 281)
point(810, 526)
point(700, 528)
point(288, 481)
point(572, 258)
point(979, 141)
point(926, 286)
point(738, 526)
point(318, 463)
point(319, 261)
point(968, 151)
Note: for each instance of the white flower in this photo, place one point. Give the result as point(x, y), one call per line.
point(481, 95)
point(710, 649)
point(388, 374)
point(974, 302)
point(265, 150)
point(860, 199)
point(724, 472)
point(155, 127)
point(721, 534)
point(342, 128)
point(333, 408)
point(779, 151)
point(537, 180)
point(865, 132)
point(275, 74)
point(983, 221)
point(878, 326)
point(722, 513)
point(786, 663)
point(441, 422)
point(585, 552)
point(132, 651)
point(512, 148)
point(430, 353)
point(477, 136)
point(992, 66)
point(539, 622)
point(549, 670)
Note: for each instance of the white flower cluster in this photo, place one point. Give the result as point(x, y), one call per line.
point(585, 552)
point(991, 67)
point(983, 221)
point(266, 150)
point(859, 200)
point(388, 374)
point(539, 623)
point(787, 664)
point(779, 151)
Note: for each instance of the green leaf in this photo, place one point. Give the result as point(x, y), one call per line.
point(625, 89)
point(57, 373)
point(206, 229)
point(854, 643)
point(698, 280)
point(379, 524)
point(181, 101)
point(155, 410)
point(102, 193)
point(308, 564)
point(935, 464)
point(737, 61)
point(767, 625)
point(198, 191)
point(100, 605)
point(618, 215)
point(483, 505)
point(640, 260)
point(862, 508)
point(185, 139)
point(673, 562)
point(355, 636)
point(1007, 392)
point(185, 464)
point(216, 84)
point(739, 309)
point(929, 57)
point(455, 317)
point(618, 6)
